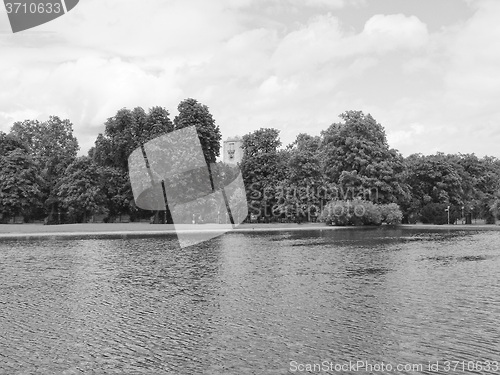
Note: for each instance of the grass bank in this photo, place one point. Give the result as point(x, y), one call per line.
point(13, 231)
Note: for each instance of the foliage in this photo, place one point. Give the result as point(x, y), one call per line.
point(349, 163)
point(351, 212)
point(457, 180)
point(435, 179)
point(355, 154)
point(126, 131)
point(192, 113)
point(436, 213)
point(298, 194)
point(53, 148)
point(20, 184)
point(81, 190)
point(238, 205)
point(123, 133)
point(117, 191)
point(51, 143)
point(360, 212)
point(391, 214)
point(263, 166)
point(9, 142)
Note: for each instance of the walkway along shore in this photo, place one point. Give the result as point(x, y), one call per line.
point(119, 230)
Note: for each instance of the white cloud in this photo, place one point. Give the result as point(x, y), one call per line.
point(389, 32)
point(256, 67)
point(318, 42)
point(473, 80)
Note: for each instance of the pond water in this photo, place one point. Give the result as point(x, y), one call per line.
point(253, 303)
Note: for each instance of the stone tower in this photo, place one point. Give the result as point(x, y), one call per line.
point(232, 151)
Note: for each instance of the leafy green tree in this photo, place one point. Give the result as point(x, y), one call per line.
point(304, 163)
point(192, 113)
point(53, 147)
point(51, 143)
point(20, 184)
point(357, 157)
point(263, 166)
point(116, 189)
point(9, 142)
point(127, 131)
point(434, 179)
point(81, 190)
point(299, 195)
point(238, 204)
point(123, 133)
point(437, 213)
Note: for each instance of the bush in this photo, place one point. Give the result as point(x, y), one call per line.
point(355, 212)
point(372, 215)
point(391, 214)
point(360, 212)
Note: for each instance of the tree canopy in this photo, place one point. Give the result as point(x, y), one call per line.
point(349, 161)
point(193, 113)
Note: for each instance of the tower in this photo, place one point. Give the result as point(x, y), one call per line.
point(232, 151)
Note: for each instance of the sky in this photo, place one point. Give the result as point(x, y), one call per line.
point(427, 70)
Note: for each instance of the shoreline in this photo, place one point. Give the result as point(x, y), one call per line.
point(144, 230)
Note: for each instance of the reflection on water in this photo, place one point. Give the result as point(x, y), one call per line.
point(249, 303)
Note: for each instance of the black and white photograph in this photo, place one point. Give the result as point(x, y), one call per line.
point(249, 187)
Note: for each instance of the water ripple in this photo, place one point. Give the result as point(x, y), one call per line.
point(248, 303)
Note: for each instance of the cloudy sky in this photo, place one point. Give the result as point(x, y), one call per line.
point(427, 70)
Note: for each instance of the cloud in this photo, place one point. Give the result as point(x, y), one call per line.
point(314, 44)
point(323, 40)
point(255, 67)
point(389, 32)
point(473, 80)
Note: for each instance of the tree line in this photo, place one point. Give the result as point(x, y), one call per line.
point(42, 178)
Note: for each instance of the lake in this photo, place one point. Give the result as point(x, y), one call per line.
point(253, 303)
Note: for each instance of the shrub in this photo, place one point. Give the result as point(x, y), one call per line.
point(372, 215)
point(391, 214)
point(355, 212)
point(360, 212)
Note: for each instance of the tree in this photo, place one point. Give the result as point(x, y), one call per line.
point(239, 205)
point(437, 213)
point(117, 190)
point(127, 131)
point(124, 133)
point(81, 190)
point(9, 142)
point(434, 179)
point(51, 143)
point(263, 166)
point(20, 185)
point(300, 193)
point(192, 113)
point(356, 156)
point(53, 147)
